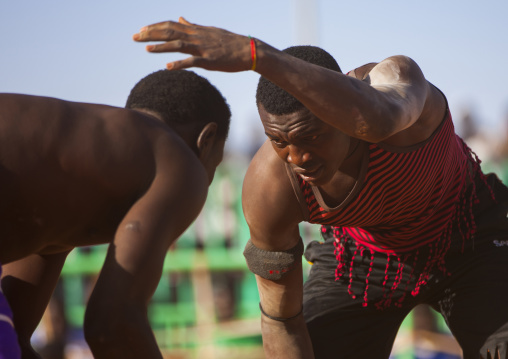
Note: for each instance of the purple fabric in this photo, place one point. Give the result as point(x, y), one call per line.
point(9, 348)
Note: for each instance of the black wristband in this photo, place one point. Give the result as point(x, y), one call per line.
point(278, 318)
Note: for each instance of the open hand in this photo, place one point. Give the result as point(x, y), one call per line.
point(211, 48)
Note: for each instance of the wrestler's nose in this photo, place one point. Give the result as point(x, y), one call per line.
point(298, 156)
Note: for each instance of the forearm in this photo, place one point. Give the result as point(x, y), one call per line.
point(126, 347)
point(116, 322)
point(121, 336)
point(283, 327)
point(341, 101)
point(288, 339)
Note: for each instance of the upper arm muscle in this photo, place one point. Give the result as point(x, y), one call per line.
point(269, 203)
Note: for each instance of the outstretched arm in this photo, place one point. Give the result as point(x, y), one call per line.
point(272, 213)
point(116, 322)
point(388, 101)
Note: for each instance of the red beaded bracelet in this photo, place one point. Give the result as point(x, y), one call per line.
point(253, 53)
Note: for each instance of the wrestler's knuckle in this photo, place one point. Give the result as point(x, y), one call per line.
point(179, 44)
point(168, 33)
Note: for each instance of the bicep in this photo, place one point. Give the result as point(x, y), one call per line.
point(273, 214)
point(269, 203)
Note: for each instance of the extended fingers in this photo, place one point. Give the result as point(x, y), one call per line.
point(163, 31)
point(174, 46)
point(183, 64)
point(167, 34)
point(212, 48)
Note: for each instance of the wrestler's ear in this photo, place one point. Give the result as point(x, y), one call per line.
point(206, 140)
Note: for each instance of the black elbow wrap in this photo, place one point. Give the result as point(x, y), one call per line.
point(270, 264)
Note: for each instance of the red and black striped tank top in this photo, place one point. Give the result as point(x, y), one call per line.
point(409, 198)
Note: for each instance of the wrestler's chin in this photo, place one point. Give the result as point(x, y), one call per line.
point(316, 178)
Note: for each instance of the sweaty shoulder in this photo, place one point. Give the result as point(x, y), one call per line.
point(269, 202)
point(402, 79)
point(396, 69)
point(153, 146)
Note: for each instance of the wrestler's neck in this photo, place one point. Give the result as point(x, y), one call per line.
point(347, 176)
point(352, 163)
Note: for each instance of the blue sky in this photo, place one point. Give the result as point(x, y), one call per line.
point(82, 51)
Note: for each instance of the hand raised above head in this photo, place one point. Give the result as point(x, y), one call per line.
point(211, 48)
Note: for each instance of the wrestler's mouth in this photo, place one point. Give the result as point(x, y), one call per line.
point(309, 175)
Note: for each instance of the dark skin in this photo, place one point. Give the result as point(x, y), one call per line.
point(75, 174)
point(389, 102)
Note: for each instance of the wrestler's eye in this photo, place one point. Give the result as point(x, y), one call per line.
point(310, 138)
point(278, 143)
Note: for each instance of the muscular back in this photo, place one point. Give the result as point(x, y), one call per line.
point(70, 171)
